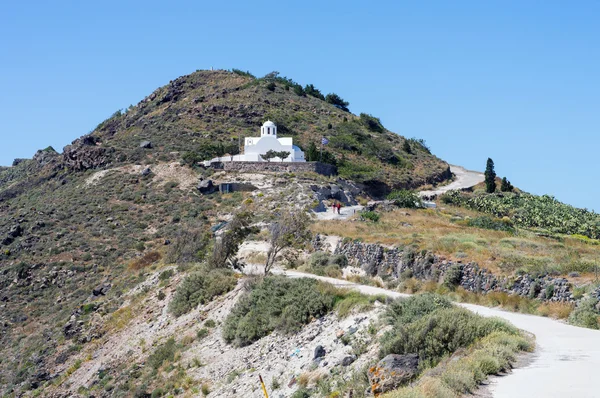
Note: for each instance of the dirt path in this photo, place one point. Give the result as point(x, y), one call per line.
point(563, 365)
point(463, 179)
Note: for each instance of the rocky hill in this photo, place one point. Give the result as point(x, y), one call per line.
point(79, 228)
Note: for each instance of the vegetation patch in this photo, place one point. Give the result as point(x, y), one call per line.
point(278, 303)
point(200, 288)
point(430, 326)
point(531, 211)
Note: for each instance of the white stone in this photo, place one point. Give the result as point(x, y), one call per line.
point(254, 147)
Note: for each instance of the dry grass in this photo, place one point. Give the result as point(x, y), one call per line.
point(144, 261)
point(509, 302)
point(501, 252)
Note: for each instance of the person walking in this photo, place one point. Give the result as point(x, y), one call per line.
point(339, 205)
point(333, 207)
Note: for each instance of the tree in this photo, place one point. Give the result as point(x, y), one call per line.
point(490, 177)
point(227, 245)
point(271, 154)
point(406, 147)
point(314, 92)
point(312, 153)
point(282, 155)
point(290, 231)
point(271, 86)
point(337, 101)
point(299, 90)
point(506, 186)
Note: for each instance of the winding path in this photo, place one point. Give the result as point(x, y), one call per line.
point(463, 178)
point(564, 364)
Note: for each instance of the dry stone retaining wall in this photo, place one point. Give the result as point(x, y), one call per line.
point(280, 167)
point(388, 262)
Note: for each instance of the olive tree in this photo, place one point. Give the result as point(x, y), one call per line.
point(289, 231)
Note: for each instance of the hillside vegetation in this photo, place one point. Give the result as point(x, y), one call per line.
point(204, 114)
point(531, 211)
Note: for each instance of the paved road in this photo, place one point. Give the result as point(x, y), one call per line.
point(463, 179)
point(564, 364)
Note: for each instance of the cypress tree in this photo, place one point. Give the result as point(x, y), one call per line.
point(506, 185)
point(490, 177)
point(312, 153)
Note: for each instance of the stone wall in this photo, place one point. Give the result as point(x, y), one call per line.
point(378, 260)
point(278, 167)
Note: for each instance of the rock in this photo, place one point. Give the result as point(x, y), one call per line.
point(15, 231)
point(319, 352)
point(392, 371)
point(101, 290)
point(146, 145)
point(206, 187)
point(84, 154)
point(147, 171)
point(167, 242)
point(339, 333)
point(349, 360)
point(17, 161)
point(7, 241)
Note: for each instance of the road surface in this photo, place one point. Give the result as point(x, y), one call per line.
point(564, 363)
point(463, 179)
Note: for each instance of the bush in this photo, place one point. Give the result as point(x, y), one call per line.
point(488, 222)
point(405, 198)
point(276, 303)
point(164, 352)
point(408, 310)
point(585, 314)
point(453, 276)
point(370, 215)
point(440, 332)
point(372, 123)
point(200, 288)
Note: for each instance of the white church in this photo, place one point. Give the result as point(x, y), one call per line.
point(254, 147)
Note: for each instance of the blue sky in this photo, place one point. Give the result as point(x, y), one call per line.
point(517, 81)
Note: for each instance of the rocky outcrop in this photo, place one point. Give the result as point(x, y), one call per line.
point(86, 153)
point(392, 372)
point(379, 260)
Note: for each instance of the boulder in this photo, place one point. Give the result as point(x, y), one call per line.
point(392, 371)
point(146, 145)
point(319, 352)
point(349, 360)
point(146, 172)
point(15, 231)
point(206, 187)
point(101, 290)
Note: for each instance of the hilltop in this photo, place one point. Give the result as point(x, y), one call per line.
point(78, 228)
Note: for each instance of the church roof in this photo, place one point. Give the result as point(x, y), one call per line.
point(268, 123)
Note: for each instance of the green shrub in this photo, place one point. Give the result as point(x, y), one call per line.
point(209, 323)
point(549, 292)
point(372, 123)
point(370, 215)
point(586, 314)
point(164, 352)
point(453, 276)
point(491, 223)
point(440, 332)
point(202, 333)
point(200, 288)
point(408, 310)
point(405, 198)
point(276, 303)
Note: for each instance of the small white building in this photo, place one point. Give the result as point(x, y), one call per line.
point(254, 147)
